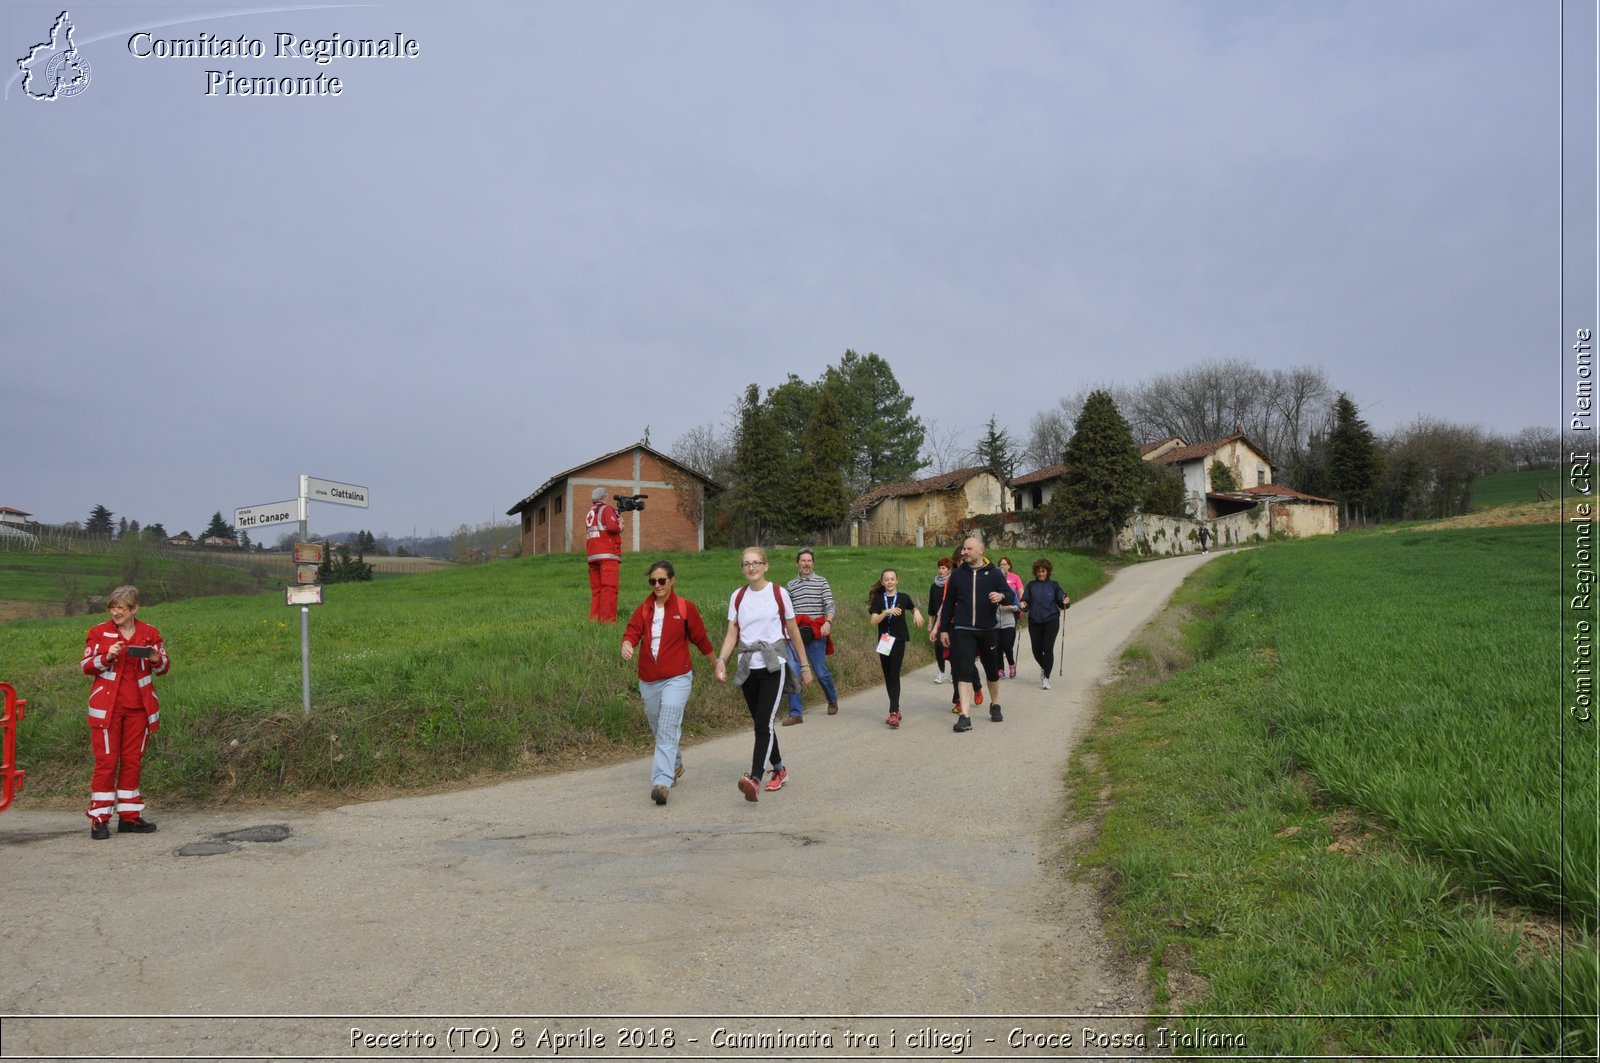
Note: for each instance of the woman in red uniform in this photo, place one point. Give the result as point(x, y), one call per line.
point(124, 655)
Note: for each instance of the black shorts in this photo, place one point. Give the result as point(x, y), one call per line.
point(967, 648)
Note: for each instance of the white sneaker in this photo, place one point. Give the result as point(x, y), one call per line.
point(1044, 684)
point(939, 678)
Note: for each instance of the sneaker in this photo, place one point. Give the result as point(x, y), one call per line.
point(955, 707)
point(790, 721)
point(995, 715)
point(1013, 674)
point(658, 794)
point(750, 786)
point(977, 694)
point(1044, 684)
point(893, 720)
point(99, 830)
point(939, 678)
point(777, 780)
point(678, 774)
point(136, 825)
point(963, 724)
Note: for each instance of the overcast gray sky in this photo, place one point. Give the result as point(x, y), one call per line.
point(562, 222)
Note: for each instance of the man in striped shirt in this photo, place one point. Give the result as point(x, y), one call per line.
point(813, 607)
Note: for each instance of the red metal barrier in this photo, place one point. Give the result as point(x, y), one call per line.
point(10, 776)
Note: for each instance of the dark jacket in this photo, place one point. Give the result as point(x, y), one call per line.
point(1043, 600)
point(966, 597)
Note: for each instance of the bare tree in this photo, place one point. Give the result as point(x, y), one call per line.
point(945, 451)
point(704, 450)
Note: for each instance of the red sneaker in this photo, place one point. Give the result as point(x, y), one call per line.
point(977, 694)
point(893, 720)
point(776, 782)
point(750, 786)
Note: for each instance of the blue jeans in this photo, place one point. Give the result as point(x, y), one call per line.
point(817, 657)
point(664, 700)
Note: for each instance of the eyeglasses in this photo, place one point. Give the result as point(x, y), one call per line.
point(659, 582)
point(754, 564)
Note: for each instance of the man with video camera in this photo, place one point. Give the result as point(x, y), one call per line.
point(603, 539)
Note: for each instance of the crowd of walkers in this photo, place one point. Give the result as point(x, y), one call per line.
point(779, 638)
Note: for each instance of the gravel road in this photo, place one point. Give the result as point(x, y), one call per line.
point(905, 885)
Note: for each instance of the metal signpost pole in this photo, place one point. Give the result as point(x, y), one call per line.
point(305, 615)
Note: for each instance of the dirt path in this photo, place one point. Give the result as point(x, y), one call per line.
point(900, 873)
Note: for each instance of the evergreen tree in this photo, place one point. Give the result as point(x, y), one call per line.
point(1354, 463)
point(99, 522)
point(886, 438)
point(218, 528)
point(122, 527)
point(1098, 491)
point(758, 494)
point(339, 566)
point(821, 499)
point(1221, 477)
point(156, 532)
point(996, 453)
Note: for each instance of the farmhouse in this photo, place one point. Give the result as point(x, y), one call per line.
point(673, 517)
point(15, 517)
point(937, 509)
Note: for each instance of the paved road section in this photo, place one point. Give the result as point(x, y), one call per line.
point(908, 883)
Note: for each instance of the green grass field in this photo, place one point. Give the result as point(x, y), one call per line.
point(419, 681)
point(1362, 799)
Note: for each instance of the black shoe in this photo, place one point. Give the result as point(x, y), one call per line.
point(963, 724)
point(994, 715)
point(658, 794)
point(100, 831)
point(136, 825)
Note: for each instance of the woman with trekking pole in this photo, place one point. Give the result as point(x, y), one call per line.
point(1043, 600)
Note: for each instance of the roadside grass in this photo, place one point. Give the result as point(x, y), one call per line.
point(434, 679)
point(1329, 788)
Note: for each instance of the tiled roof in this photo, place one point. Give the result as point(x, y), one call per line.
point(1260, 491)
point(1179, 455)
point(946, 481)
point(1044, 475)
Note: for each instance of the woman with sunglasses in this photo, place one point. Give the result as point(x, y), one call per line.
point(760, 620)
point(660, 633)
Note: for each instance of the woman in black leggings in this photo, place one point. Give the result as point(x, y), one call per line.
point(1043, 599)
point(888, 608)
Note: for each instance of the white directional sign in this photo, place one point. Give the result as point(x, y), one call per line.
point(328, 491)
point(271, 513)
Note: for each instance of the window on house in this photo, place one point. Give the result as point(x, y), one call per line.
point(1038, 497)
point(1261, 474)
point(541, 514)
point(559, 502)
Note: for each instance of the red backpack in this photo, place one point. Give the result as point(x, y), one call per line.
point(737, 598)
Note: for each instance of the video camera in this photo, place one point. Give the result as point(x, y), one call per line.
point(629, 503)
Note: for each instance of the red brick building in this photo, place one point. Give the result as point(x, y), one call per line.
point(673, 517)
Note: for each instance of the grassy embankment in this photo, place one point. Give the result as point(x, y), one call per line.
point(419, 681)
point(1499, 489)
point(1347, 790)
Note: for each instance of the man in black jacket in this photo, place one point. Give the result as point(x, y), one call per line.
point(967, 620)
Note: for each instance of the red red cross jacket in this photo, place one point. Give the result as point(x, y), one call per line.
point(125, 669)
point(815, 624)
point(603, 533)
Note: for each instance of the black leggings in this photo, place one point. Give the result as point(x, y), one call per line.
point(1043, 633)
point(890, 663)
point(1005, 644)
point(763, 693)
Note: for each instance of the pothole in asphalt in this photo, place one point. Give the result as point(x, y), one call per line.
point(269, 832)
point(225, 843)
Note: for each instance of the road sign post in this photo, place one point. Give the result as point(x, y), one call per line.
point(306, 591)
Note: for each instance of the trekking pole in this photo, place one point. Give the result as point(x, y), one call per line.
point(1061, 658)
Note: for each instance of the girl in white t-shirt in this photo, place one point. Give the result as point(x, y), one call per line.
point(760, 620)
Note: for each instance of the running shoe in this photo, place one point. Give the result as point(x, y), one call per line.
point(995, 716)
point(939, 678)
point(1044, 683)
point(893, 720)
point(1013, 674)
point(750, 786)
point(977, 694)
point(962, 725)
point(776, 782)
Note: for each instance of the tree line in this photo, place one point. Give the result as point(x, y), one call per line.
point(795, 456)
